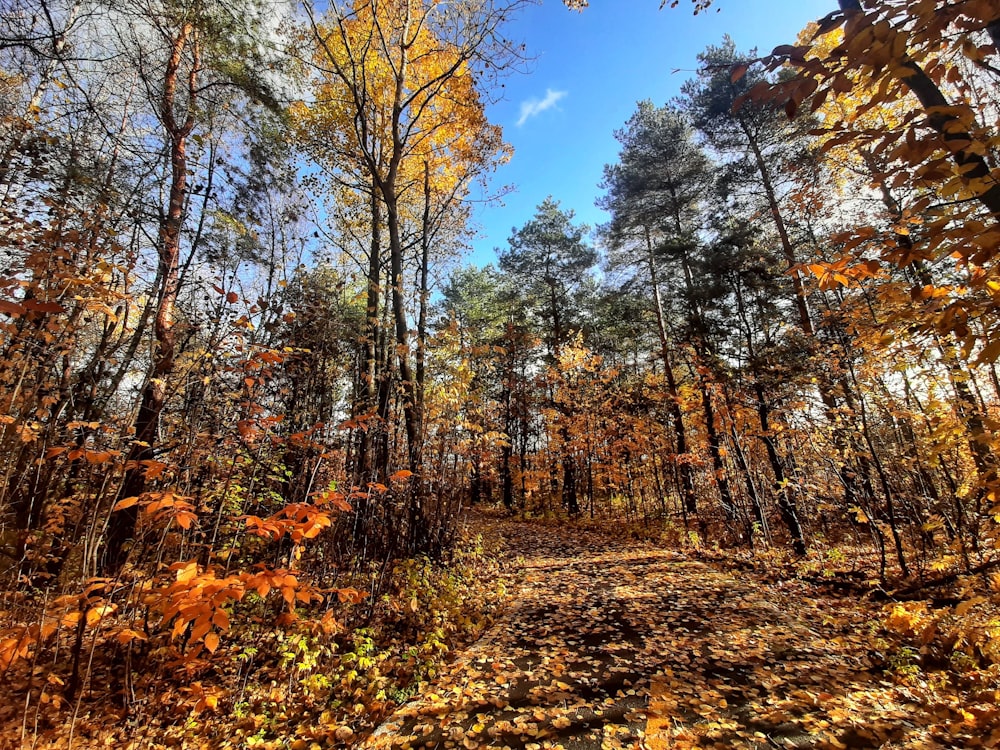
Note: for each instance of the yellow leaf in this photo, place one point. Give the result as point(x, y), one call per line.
point(965, 606)
point(188, 572)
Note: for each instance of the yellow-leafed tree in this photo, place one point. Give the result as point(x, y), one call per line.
point(397, 122)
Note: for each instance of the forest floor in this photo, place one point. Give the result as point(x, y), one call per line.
point(558, 635)
point(614, 643)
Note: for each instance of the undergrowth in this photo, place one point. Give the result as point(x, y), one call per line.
point(322, 680)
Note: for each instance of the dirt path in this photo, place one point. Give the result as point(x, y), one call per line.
point(615, 644)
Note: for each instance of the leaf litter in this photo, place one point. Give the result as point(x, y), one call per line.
point(615, 643)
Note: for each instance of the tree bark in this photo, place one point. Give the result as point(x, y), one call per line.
point(782, 490)
point(689, 498)
point(374, 427)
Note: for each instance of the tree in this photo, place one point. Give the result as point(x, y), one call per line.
point(551, 261)
point(754, 136)
point(923, 72)
point(928, 64)
point(197, 44)
point(744, 284)
point(653, 195)
point(399, 117)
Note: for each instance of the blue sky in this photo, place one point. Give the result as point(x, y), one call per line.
point(588, 72)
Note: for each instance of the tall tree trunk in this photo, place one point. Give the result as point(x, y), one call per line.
point(888, 494)
point(570, 497)
point(425, 243)
point(788, 250)
point(389, 187)
point(715, 451)
point(375, 427)
point(411, 415)
point(689, 498)
point(507, 449)
point(121, 525)
point(760, 519)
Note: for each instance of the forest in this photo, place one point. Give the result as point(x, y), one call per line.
point(272, 453)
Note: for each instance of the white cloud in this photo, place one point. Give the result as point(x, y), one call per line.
point(533, 107)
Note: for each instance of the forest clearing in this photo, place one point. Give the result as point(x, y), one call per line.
point(279, 468)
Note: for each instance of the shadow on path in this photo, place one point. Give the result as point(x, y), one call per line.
point(615, 644)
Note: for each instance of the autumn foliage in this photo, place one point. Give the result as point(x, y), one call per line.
point(247, 392)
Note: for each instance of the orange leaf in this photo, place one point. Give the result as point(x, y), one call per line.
point(220, 619)
point(126, 502)
point(43, 307)
point(128, 635)
point(154, 469)
point(97, 613)
point(70, 619)
point(350, 595)
point(11, 308)
point(200, 630)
